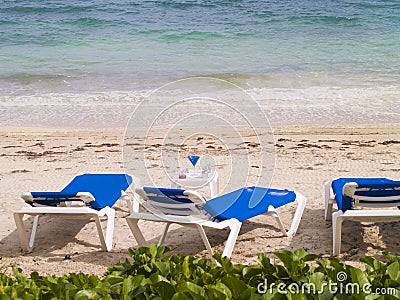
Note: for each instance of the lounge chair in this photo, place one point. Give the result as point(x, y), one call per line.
point(97, 193)
point(361, 199)
point(188, 208)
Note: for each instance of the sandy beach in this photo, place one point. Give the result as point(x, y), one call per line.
point(47, 159)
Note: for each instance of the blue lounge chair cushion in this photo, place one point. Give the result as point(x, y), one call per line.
point(381, 187)
point(241, 204)
point(105, 188)
point(248, 202)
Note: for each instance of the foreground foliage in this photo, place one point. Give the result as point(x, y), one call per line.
point(152, 275)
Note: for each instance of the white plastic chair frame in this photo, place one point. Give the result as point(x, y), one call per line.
point(361, 215)
point(169, 214)
point(67, 211)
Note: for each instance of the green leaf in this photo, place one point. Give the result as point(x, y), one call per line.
point(86, 294)
point(303, 255)
point(133, 285)
point(287, 259)
point(226, 264)
point(163, 268)
point(375, 296)
point(4, 297)
point(331, 267)
point(165, 290)
point(317, 279)
point(192, 289)
point(155, 278)
point(186, 267)
point(218, 291)
point(235, 285)
point(393, 271)
point(264, 260)
point(376, 267)
point(181, 296)
point(121, 268)
point(389, 257)
point(207, 278)
point(147, 268)
point(359, 277)
point(114, 280)
point(251, 271)
point(153, 250)
point(296, 296)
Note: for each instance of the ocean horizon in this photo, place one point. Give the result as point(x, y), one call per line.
point(89, 63)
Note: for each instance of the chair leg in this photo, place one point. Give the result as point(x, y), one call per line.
point(26, 244)
point(106, 241)
point(273, 213)
point(110, 228)
point(301, 205)
point(231, 241)
point(34, 230)
point(164, 233)
point(137, 233)
point(205, 241)
point(328, 200)
point(337, 221)
point(100, 232)
point(23, 239)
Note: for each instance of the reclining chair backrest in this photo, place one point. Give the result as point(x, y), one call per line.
point(165, 201)
point(105, 188)
point(373, 195)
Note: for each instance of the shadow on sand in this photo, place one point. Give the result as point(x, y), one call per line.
point(259, 234)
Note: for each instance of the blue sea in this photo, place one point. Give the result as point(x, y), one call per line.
point(306, 62)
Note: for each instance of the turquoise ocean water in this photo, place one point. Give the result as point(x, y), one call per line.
point(306, 62)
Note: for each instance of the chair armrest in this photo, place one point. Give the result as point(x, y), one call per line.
point(194, 196)
point(349, 189)
point(27, 197)
point(133, 205)
point(85, 197)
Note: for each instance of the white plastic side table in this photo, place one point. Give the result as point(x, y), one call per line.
point(197, 181)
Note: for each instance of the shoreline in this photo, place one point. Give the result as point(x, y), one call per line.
point(47, 158)
point(281, 129)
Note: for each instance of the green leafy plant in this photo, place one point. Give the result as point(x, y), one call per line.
point(150, 273)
